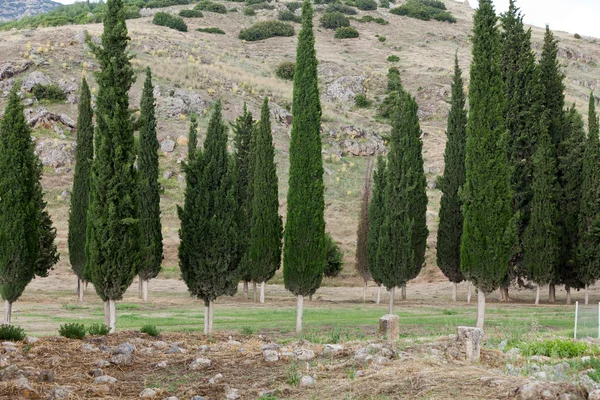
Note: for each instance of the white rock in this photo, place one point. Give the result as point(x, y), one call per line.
point(162, 364)
point(105, 379)
point(200, 363)
point(148, 393)
point(594, 395)
point(332, 349)
point(307, 381)
point(232, 394)
point(215, 379)
point(304, 354)
point(271, 355)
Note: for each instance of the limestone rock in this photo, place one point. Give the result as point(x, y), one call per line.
point(271, 355)
point(8, 70)
point(232, 394)
point(105, 379)
point(147, 12)
point(181, 101)
point(42, 116)
point(281, 115)
point(35, 78)
point(306, 381)
point(162, 364)
point(304, 354)
point(148, 393)
point(352, 140)
point(55, 154)
point(469, 342)
point(389, 327)
point(345, 88)
point(60, 393)
point(200, 363)
point(167, 146)
point(121, 359)
point(332, 349)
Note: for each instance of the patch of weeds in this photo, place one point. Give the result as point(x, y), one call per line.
point(351, 372)
point(382, 39)
point(292, 376)
point(11, 333)
point(151, 330)
point(128, 306)
point(449, 312)
point(557, 348)
point(73, 307)
point(268, 397)
point(98, 329)
point(247, 331)
point(72, 331)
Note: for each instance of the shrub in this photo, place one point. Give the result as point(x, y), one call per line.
point(265, 30)
point(211, 30)
point(393, 58)
point(207, 5)
point(366, 5)
point(11, 333)
point(558, 348)
point(249, 11)
point(424, 10)
point(191, 13)
point(384, 3)
point(52, 93)
point(361, 101)
point(287, 15)
point(368, 18)
point(325, 1)
point(343, 8)
point(293, 6)
point(577, 36)
point(150, 330)
point(169, 20)
point(72, 331)
point(334, 20)
point(382, 39)
point(132, 12)
point(346, 32)
point(434, 3)
point(98, 329)
point(334, 258)
point(285, 70)
point(394, 82)
point(252, 2)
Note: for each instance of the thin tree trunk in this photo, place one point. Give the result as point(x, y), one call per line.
point(501, 293)
point(112, 306)
point(80, 290)
point(7, 312)
point(537, 295)
point(206, 320)
point(310, 297)
point(391, 309)
point(505, 291)
point(480, 308)
point(254, 291)
point(378, 294)
point(586, 294)
point(403, 291)
point(106, 314)
point(211, 315)
point(552, 293)
point(262, 292)
point(454, 289)
point(246, 288)
point(469, 292)
point(140, 289)
point(365, 292)
point(299, 313)
point(145, 290)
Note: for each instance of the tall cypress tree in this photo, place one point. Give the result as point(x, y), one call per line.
point(209, 261)
point(192, 136)
point(304, 250)
point(451, 217)
point(112, 251)
point(84, 153)
point(149, 190)
point(362, 234)
point(48, 254)
point(376, 217)
point(488, 230)
point(266, 227)
point(588, 252)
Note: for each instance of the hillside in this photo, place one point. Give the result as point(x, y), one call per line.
point(16, 9)
point(194, 69)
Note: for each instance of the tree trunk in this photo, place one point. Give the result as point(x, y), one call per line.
point(552, 293)
point(392, 292)
point(246, 288)
point(505, 293)
point(262, 292)
point(254, 291)
point(537, 295)
point(378, 294)
point(140, 289)
point(480, 308)
point(310, 297)
point(211, 315)
point(106, 314)
point(586, 294)
point(469, 292)
point(454, 288)
point(403, 292)
point(568, 290)
point(7, 312)
point(80, 290)
point(206, 320)
point(113, 315)
point(365, 292)
point(145, 290)
point(299, 314)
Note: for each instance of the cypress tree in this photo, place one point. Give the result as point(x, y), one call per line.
point(149, 190)
point(334, 258)
point(209, 261)
point(48, 254)
point(488, 229)
point(362, 234)
point(192, 137)
point(403, 234)
point(588, 252)
point(20, 205)
point(376, 217)
point(112, 251)
point(304, 250)
point(266, 227)
point(451, 217)
point(84, 153)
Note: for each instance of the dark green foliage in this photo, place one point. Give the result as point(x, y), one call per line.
point(293, 5)
point(376, 217)
point(361, 101)
point(368, 18)
point(340, 7)
point(394, 82)
point(577, 36)
point(150, 330)
point(424, 10)
point(384, 3)
point(365, 5)
point(435, 4)
point(48, 254)
point(334, 258)
point(266, 227)
point(346, 32)
point(50, 93)
point(263, 5)
point(285, 70)
point(304, 250)
point(382, 39)
point(192, 137)
point(98, 330)
point(84, 153)
point(334, 20)
point(149, 189)
point(72, 331)
point(217, 31)
point(395, 89)
point(364, 225)
point(488, 230)
point(20, 205)
point(393, 58)
point(552, 78)
point(265, 30)
point(112, 251)
point(287, 15)
point(249, 11)
point(11, 333)
point(210, 263)
point(451, 216)
point(403, 234)
point(207, 5)
point(191, 14)
point(170, 20)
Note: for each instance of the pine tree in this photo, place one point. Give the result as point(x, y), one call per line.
point(588, 251)
point(488, 229)
point(376, 217)
point(84, 153)
point(362, 234)
point(304, 250)
point(451, 217)
point(19, 208)
point(112, 251)
point(149, 190)
point(210, 261)
point(266, 227)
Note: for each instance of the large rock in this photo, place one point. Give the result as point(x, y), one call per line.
point(181, 101)
point(271, 355)
point(167, 145)
point(304, 354)
point(35, 78)
point(352, 140)
point(148, 393)
point(469, 343)
point(42, 116)
point(60, 393)
point(281, 115)
point(345, 88)
point(200, 363)
point(8, 70)
point(55, 154)
point(147, 12)
point(389, 327)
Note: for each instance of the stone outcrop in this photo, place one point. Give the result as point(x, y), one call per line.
point(355, 141)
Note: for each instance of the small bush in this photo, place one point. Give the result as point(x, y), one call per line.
point(170, 21)
point(266, 29)
point(393, 58)
point(434, 3)
point(366, 5)
point(150, 330)
point(368, 18)
point(72, 331)
point(252, 2)
point(343, 8)
point(346, 32)
point(334, 258)
point(11, 333)
point(334, 20)
point(384, 3)
point(287, 15)
point(325, 1)
point(424, 10)
point(577, 36)
point(52, 93)
point(394, 83)
point(285, 70)
point(361, 101)
point(98, 329)
point(191, 14)
point(249, 11)
point(211, 30)
point(382, 39)
point(207, 5)
point(293, 6)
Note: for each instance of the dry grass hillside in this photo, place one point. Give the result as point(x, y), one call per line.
point(195, 69)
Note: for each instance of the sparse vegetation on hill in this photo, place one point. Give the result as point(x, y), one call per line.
point(346, 32)
point(207, 5)
point(340, 7)
point(169, 20)
point(334, 20)
point(368, 18)
point(191, 13)
point(293, 5)
point(217, 31)
point(265, 30)
point(289, 16)
point(365, 5)
point(424, 10)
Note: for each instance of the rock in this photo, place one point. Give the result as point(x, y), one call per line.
point(568, 396)
point(547, 395)
point(594, 395)
point(203, 348)
point(147, 12)
point(215, 379)
point(540, 359)
point(306, 381)
point(124, 348)
point(271, 355)
point(270, 346)
point(588, 384)
point(529, 391)
point(67, 87)
point(389, 327)
point(148, 393)
point(101, 363)
point(35, 78)
point(60, 393)
point(42, 116)
point(46, 376)
point(585, 359)
point(200, 363)
point(469, 342)
point(352, 140)
point(105, 379)
point(181, 101)
point(363, 355)
point(281, 115)
point(172, 398)
point(345, 88)
point(159, 344)
point(27, 102)
point(176, 350)
point(162, 364)
point(55, 154)
point(304, 354)
point(182, 140)
point(121, 359)
point(432, 185)
point(8, 70)
point(64, 196)
point(514, 352)
point(167, 146)
point(232, 394)
point(22, 384)
point(332, 349)
point(561, 368)
point(96, 372)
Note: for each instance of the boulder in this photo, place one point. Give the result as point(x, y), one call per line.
point(181, 101)
point(232, 394)
point(121, 359)
point(271, 355)
point(35, 78)
point(469, 343)
point(200, 363)
point(60, 393)
point(42, 116)
point(8, 70)
point(304, 354)
point(389, 327)
point(56, 154)
point(352, 140)
point(345, 88)
point(167, 146)
point(105, 379)
point(281, 115)
point(332, 349)
point(307, 381)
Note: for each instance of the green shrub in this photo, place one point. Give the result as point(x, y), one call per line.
point(325, 1)
point(368, 18)
point(577, 36)
point(11, 333)
point(394, 83)
point(132, 12)
point(207, 5)
point(557, 348)
point(361, 101)
point(249, 11)
point(266, 29)
point(169, 20)
point(150, 330)
point(211, 30)
point(366, 5)
point(285, 70)
point(287, 15)
point(191, 13)
point(384, 3)
point(72, 331)
point(343, 8)
point(51, 93)
point(293, 6)
point(252, 2)
point(393, 58)
point(98, 329)
point(164, 3)
point(424, 10)
point(346, 32)
point(382, 39)
point(434, 3)
point(334, 20)
point(334, 258)
point(386, 108)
